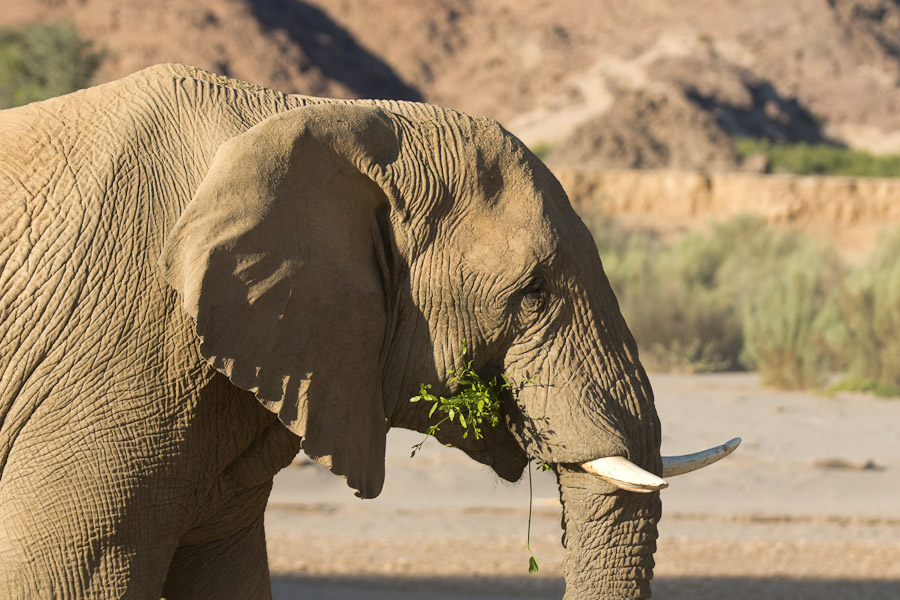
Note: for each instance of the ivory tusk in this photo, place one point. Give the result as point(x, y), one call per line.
point(624, 474)
point(679, 465)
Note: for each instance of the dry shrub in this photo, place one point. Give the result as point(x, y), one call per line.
point(741, 295)
point(782, 320)
point(670, 299)
point(862, 320)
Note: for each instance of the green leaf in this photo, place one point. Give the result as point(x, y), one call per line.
point(433, 408)
point(532, 565)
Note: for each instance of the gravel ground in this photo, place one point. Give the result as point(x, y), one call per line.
point(807, 508)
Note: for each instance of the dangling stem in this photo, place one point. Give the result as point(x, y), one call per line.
point(532, 561)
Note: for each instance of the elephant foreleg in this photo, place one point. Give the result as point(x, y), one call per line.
point(230, 567)
point(72, 525)
point(223, 555)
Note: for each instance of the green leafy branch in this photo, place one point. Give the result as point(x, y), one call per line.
point(476, 403)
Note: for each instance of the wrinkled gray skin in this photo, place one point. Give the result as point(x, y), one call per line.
point(181, 252)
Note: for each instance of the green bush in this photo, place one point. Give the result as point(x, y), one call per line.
point(820, 159)
point(40, 61)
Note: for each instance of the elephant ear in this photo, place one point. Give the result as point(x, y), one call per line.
point(277, 259)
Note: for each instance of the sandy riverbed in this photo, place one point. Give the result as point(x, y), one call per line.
point(808, 507)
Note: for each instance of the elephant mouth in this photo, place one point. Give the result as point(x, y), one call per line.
point(624, 474)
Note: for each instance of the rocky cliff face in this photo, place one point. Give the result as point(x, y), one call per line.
point(601, 83)
point(852, 212)
point(285, 45)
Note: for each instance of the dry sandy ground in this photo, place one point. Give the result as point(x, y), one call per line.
point(808, 507)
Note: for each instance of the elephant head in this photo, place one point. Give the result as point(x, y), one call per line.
point(336, 256)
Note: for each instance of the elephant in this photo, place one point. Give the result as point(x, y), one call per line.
point(199, 278)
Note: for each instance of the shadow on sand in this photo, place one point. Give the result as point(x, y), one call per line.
point(545, 588)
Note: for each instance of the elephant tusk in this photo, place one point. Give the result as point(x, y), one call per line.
point(679, 465)
point(624, 474)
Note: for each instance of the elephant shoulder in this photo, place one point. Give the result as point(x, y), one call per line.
point(201, 86)
point(179, 72)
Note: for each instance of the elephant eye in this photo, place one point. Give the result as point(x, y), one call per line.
point(534, 295)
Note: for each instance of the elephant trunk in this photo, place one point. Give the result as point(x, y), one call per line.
point(610, 537)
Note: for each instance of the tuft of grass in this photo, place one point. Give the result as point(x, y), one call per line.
point(869, 386)
point(43, 60)
point(820, 159)
point(542, 150)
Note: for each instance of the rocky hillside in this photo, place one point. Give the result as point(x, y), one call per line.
point(652, 83)
point(285, 45)
point(594, 83)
